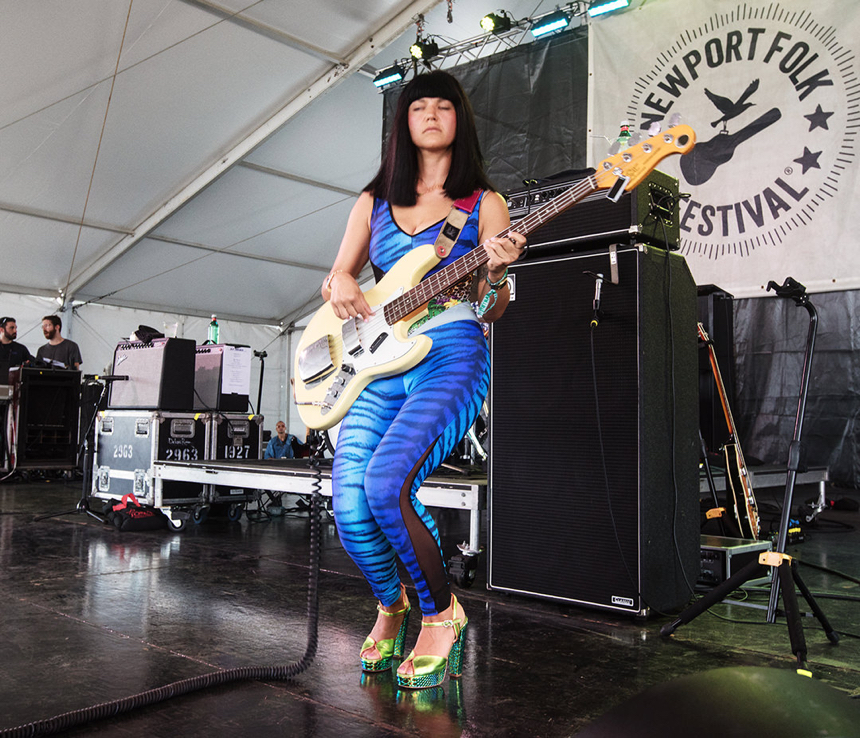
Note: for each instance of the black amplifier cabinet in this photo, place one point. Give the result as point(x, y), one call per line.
point(222, 377)
point(129, 441)
point(648, 214)
point(42, 418)
point(594, 479)
point(160, 375)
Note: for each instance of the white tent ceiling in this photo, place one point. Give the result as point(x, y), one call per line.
point(194, 156)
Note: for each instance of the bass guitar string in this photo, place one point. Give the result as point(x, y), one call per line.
point(424, 291)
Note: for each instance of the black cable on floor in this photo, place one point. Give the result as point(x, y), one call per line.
point(204, 681)
point(828, 570)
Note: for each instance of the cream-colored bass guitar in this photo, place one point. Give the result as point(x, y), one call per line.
point(336, 359)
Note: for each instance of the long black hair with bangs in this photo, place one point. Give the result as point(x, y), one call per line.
point(397, 177)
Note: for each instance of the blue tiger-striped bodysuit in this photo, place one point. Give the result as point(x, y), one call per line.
point(400, 429)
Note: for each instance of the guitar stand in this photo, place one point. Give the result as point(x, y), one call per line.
point(785, 574)
point(717, 512)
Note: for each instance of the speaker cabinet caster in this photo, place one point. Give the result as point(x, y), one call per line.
point(463, 568)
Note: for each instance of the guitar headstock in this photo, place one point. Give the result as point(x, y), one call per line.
point(626, 169)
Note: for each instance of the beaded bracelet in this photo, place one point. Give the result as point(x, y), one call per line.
point(329, 278)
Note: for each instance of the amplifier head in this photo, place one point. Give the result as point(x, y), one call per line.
point(647, 214)
point(160, 375)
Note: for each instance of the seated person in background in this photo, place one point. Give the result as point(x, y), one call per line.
point(281, 445)
point(58, 350)
point(12, 353)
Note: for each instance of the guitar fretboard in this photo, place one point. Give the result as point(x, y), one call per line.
point(422, 293)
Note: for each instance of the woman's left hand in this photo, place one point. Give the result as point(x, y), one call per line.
point(502, 251)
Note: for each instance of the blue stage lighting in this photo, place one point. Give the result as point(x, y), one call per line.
point(549, 23)
point(389, 76)
point(599, 8)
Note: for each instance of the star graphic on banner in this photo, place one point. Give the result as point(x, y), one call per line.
point(818, 119)
point(809, 160)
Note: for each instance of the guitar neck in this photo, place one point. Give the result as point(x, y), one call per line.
point(426, 290)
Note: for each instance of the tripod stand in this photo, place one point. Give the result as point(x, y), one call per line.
point(83, 504)
point(786, 575)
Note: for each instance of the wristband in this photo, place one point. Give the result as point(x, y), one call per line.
point(499, 282)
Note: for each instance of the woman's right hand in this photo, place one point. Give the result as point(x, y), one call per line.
point(347, 300)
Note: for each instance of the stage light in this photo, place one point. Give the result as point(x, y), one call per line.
point(424, 49)
point(599, 8)
point(549, 23)
point(389, 76)
point(496, 22)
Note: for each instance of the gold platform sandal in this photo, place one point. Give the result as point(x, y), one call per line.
point(388, 648)
point(428, 670)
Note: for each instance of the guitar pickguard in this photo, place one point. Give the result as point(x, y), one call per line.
point(366, 345)
point(346, 356)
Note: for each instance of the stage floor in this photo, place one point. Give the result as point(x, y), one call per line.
point(91, 614)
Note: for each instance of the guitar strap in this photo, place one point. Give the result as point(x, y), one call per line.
point(460, 212)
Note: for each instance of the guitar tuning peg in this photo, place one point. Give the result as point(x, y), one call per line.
point(654, 128)
point(636, 138)
point(614, 148)
point(675, 120)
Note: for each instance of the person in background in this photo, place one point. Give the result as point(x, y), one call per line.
point(281, 446)
point(58, 350)
point(12, 353)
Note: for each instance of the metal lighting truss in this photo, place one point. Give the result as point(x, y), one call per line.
point(487, 44)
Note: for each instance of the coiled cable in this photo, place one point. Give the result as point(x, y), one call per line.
point(104, 710)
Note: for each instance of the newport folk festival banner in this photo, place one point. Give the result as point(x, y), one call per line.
point(772, 91)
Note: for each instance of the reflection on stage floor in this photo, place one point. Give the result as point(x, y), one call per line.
point(92, 614)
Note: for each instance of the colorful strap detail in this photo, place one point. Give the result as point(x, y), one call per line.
point(450, 232)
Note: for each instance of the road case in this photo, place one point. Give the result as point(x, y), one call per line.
point(234, 437)
point(128, 442)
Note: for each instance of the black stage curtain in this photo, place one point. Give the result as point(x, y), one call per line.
point(770, 344)
point(530, 108)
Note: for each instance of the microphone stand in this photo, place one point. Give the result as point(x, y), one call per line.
point(83, 504)
point(785, 574)
point(261, 355)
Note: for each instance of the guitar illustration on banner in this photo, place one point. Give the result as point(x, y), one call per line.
point(336, 359)
point(738, 484)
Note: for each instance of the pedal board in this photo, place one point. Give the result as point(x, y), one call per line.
point(722, 557)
